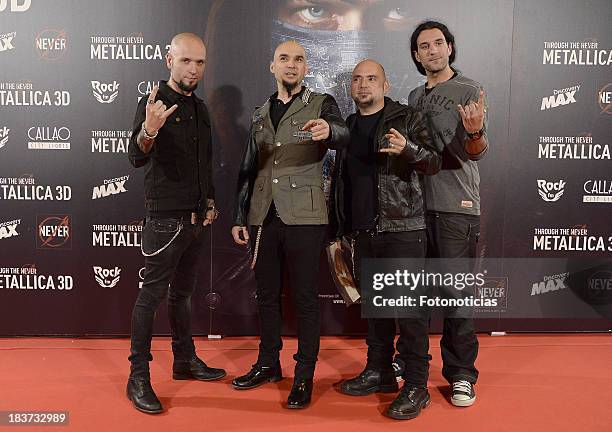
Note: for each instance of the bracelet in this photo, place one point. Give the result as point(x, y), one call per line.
point(146, 134)
point(475, 136)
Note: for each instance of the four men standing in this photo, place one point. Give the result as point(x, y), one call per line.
point(404, 174)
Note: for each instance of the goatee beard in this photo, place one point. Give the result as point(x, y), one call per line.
point(364, 104)
point(289, 87)
point(185, 87)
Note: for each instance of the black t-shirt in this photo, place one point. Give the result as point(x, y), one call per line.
point(278, 108)
point(361, 203)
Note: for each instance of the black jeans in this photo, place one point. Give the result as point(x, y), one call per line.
point(299, 248)
point(172, 272)
point(454, 235)
point(413, 342)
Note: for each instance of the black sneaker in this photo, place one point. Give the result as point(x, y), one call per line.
point(409, 403)
point(463, 394)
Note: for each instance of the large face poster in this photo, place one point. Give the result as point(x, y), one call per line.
point(336, 36)
point(70, 260)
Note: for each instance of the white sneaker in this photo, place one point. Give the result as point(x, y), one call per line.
point(463, 394)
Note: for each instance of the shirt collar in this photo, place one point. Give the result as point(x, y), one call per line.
point(274, 97)
point(172, 96)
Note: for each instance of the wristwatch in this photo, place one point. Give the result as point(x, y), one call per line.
point(475, 136)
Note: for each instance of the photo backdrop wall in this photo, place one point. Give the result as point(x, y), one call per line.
point(71, 206)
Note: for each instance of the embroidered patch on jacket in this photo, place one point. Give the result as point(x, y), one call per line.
point(302, 135)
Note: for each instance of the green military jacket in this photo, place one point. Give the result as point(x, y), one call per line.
point(285, 166)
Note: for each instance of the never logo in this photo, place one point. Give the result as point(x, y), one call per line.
point(51, 43)
point(604, 98)
point(54, 232)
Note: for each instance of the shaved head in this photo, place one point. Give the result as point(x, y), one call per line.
point(370, 62)
point(182, 39)
point(289, 46)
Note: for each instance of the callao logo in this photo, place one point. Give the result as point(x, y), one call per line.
point(141, 273)
point(145, 87)
point(49, 138)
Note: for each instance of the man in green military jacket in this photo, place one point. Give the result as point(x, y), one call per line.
point(281, 198)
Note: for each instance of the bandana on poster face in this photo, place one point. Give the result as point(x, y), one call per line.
point(331, 57)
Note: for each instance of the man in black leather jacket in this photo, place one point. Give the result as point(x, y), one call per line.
point(378, 192)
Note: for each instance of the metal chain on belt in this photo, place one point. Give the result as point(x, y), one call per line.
point(256, 251)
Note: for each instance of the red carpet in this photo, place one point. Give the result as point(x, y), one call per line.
point(527, 383)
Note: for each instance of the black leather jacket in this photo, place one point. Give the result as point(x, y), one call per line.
point(400, 178)
point(338, 139)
